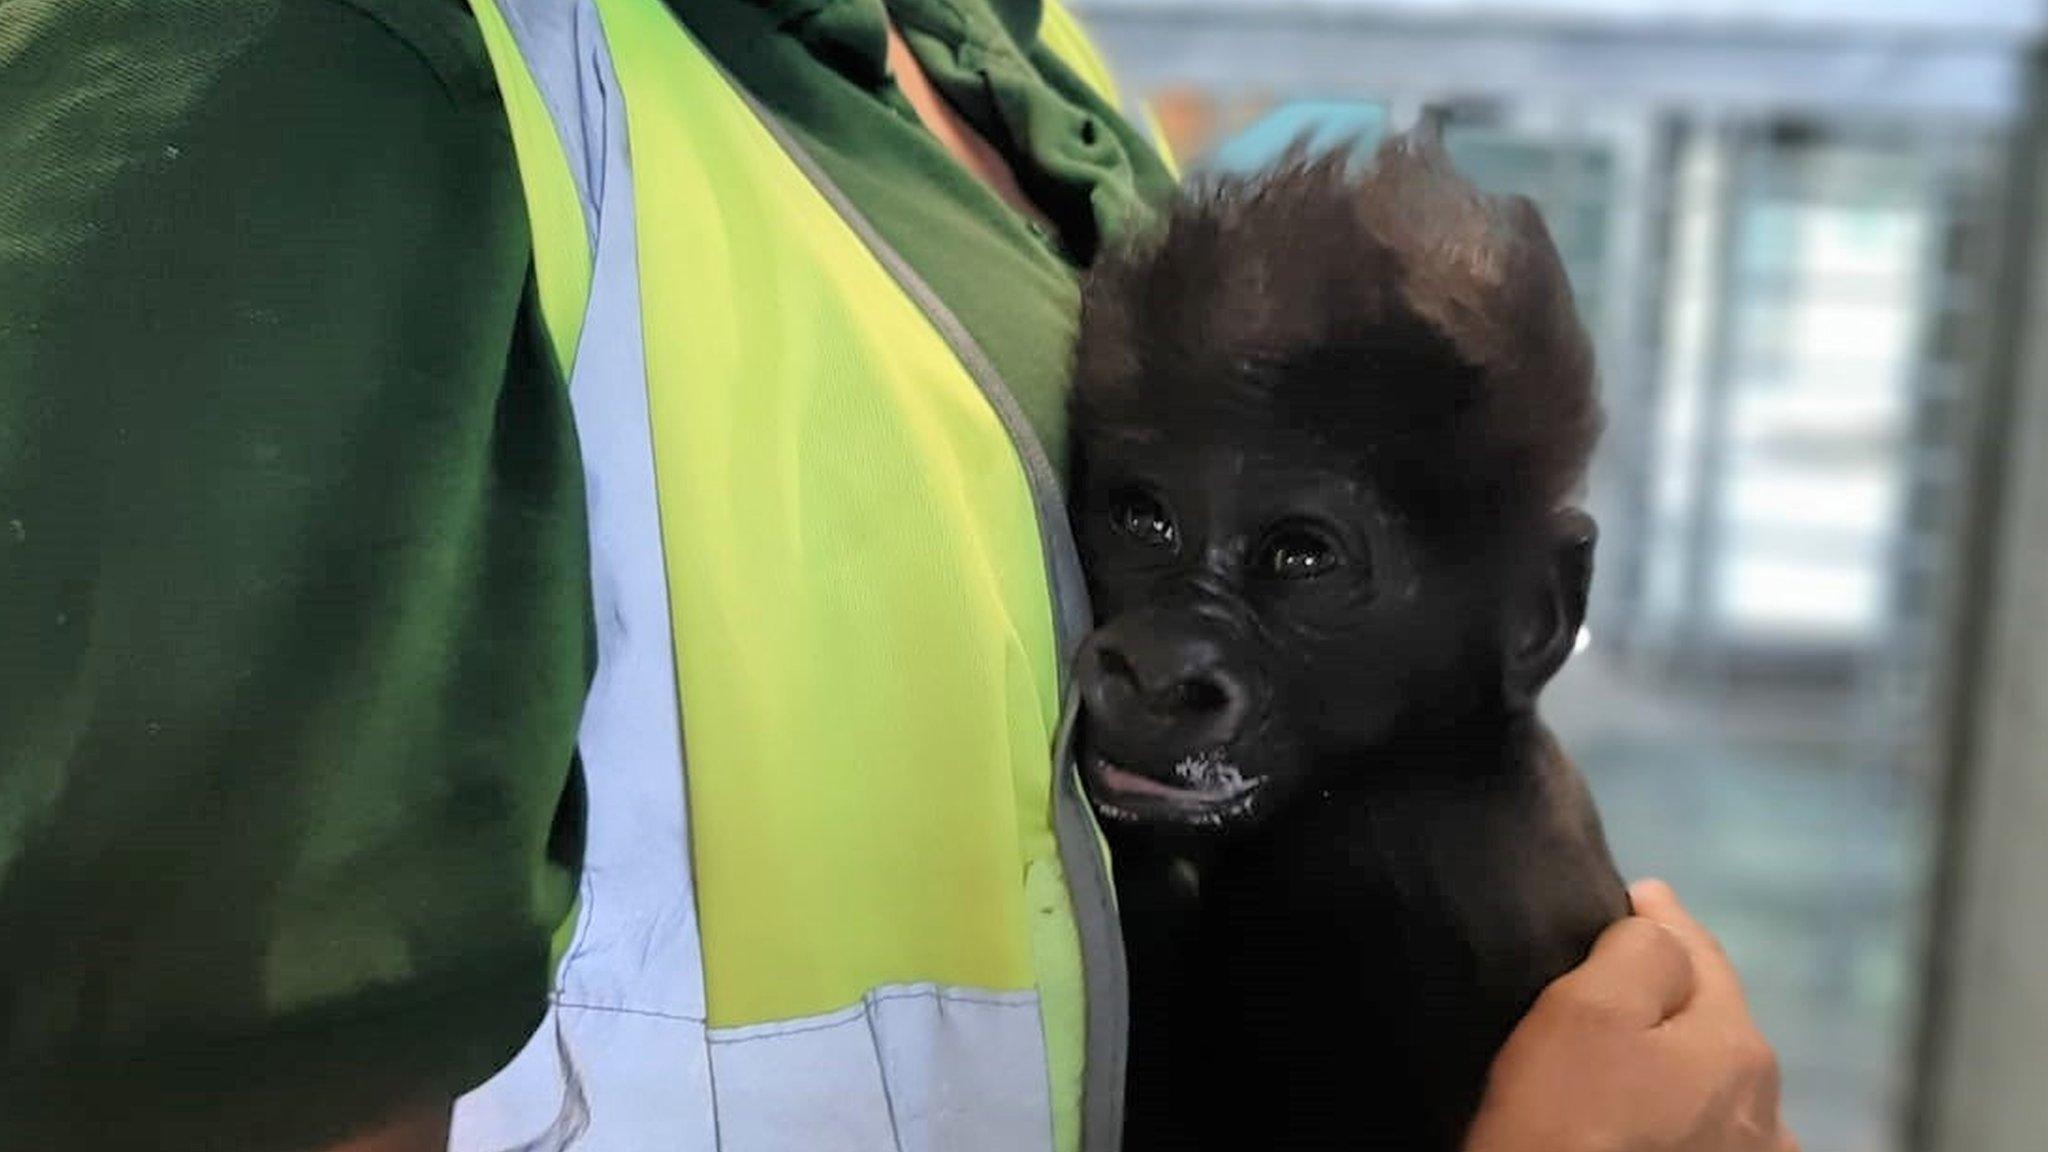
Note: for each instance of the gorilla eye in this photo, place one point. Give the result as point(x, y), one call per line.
point(1144, 519)
point(1299, 554)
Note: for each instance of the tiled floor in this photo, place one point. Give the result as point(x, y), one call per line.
point(1788, 827)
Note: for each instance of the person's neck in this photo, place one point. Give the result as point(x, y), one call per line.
point(969, 147)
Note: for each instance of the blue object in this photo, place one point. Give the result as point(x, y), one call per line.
point(1323, 123)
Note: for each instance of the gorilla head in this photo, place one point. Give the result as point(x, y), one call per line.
point(1327, 420)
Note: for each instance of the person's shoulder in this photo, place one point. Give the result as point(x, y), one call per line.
point(121, 102)
point(183, 47)
point(442, 33)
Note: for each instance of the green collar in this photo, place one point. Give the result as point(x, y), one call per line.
point(855, 32)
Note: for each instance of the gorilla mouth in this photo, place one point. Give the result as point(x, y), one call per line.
point(1207, 790)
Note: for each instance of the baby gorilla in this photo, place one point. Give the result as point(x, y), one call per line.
point(1327, 424)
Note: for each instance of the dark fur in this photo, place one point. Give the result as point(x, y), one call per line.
point(1335, 966)
point(1278, 295)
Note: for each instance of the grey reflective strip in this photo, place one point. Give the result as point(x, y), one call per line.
point(621, 1064)
point(1095, 918)
point(912, 1068)
point(562, 84)
point(1102, 945)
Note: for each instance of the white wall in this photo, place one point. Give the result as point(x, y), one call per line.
point(1934, 60)
point(2017, 19)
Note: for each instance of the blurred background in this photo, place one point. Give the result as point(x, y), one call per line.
point(1801, 232)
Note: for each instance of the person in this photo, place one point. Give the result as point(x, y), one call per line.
point(415, 418)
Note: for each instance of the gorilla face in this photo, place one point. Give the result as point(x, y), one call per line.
point(1327, 422)
point(1266, 618)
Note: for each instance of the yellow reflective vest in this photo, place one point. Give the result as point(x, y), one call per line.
point(841, 890)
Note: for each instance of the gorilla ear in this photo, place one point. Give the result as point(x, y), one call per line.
point(1543, 621)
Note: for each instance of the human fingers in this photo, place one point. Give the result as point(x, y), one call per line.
point(1655, 900)
point(1719, 1017)
point(1639, 973)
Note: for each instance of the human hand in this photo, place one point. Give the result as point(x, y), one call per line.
point(1646, 1047)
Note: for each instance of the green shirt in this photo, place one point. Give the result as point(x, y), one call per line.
point(293, 578)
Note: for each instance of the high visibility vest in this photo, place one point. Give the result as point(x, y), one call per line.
point(841, 890)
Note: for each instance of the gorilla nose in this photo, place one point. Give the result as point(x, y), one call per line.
point(1155, 696)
